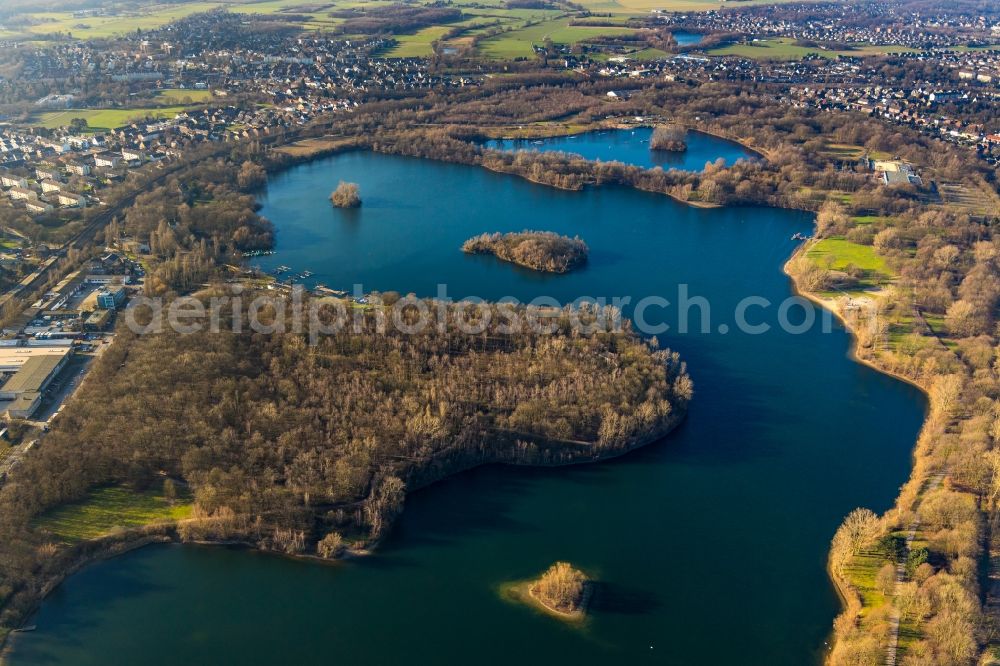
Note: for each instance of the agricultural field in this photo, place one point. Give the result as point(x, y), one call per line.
point(417, 45)
point(645, 6)
point(106, 510)
point(786, 49)
point(156, 15)
point(317, 17)
point(107, 26)
point(102, 120)
point(518, 43)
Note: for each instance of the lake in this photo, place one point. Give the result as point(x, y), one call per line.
point(687, 38)
point(632, 147)
point(710, 545)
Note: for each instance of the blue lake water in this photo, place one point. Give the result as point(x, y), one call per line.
point(687, 38)
point(710, 545)
point(632, 147)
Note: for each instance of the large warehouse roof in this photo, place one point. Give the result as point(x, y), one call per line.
point(33, 374)
point(13, 359)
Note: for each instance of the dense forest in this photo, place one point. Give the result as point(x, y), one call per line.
point(538, 250)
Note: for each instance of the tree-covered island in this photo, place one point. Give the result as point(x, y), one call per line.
point(563, 592)
point(539, 250)
point(347, 195)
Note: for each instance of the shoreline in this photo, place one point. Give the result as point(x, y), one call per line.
point(850, 598)
point(622, 124)
point(100, 555)
point(853, 351)
point(170, 535)
point(520, 591)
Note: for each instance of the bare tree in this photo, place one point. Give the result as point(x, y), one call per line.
point(346, 195)
point(669, 137)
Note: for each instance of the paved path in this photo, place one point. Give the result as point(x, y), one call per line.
point(911, 532)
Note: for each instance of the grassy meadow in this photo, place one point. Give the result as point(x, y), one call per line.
point(103, 119)
point(518, 43)
point(837, 254)
point(417, 45)
point(106, 510)
point(316, 16)
point(785, 49)
point(179, 96)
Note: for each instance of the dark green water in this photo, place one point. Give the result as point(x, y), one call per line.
point(711, 544)
point(632, 147)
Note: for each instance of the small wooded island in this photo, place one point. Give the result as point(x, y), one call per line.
point(562, 591)
point(346, 195)
point(539, 250)
point(669, 137)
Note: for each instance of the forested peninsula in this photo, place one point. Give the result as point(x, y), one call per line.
point(311, 449)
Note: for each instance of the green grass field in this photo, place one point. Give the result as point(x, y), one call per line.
point(649, 54)
point(179, 96)
point(786, 49)
point(109, 509)
point(870, 219)
point(103, 119)
point(417, 45)
point(150, 15)
point(644, 6)
point(862, 571)
point(156, 15)
point(108, 26)
point(518, 43)
point(838, 254)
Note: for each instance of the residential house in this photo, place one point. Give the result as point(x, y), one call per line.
point(22, 194)
point(71, 200)
point(13, 181)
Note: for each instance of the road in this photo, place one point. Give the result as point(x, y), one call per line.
point(14, 457)
point(62, 389)
point(72, 378)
